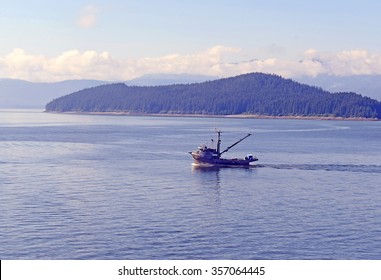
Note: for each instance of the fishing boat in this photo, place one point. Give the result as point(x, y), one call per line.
point(210, 156)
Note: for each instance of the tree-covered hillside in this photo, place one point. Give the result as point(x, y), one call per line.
point(255, 93)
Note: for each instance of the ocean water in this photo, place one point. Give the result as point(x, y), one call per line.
point(124, 187)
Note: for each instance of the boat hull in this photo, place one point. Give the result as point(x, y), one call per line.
point(200, 160)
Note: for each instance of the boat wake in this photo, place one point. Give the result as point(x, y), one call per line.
point(361, 168)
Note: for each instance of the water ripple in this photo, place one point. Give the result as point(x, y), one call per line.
point(97, 187)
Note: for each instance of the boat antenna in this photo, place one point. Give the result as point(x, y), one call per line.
point(240, 140)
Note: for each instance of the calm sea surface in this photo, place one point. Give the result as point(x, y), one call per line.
point(124, 187)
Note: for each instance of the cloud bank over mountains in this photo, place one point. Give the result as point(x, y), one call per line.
point(220, 61)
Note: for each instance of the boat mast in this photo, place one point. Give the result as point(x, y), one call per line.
point(218, 143)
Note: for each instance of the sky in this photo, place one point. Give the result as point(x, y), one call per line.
point(116, 40)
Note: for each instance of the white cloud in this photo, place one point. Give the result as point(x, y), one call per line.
point(74, 64)
point(204, 62)
point(69, 65)
point(88, 17)
point(354, 62)
point(313, 63)
point(215, 61)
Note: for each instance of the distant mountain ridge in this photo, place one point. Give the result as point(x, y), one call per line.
point(367, 85)
point(254, 93)
point(168, 79)
point(23, 94)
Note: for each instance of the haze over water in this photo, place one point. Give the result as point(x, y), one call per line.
point(124, 187)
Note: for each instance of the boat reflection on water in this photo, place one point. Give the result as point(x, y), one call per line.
point(210, 167)
point(212, 178)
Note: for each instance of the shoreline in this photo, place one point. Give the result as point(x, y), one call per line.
point(238, 116)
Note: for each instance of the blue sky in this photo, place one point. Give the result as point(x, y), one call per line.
point(119, 40)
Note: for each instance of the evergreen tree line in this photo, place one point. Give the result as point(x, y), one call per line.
point(255, 93)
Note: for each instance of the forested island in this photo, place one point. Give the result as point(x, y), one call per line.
point(250, 94)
